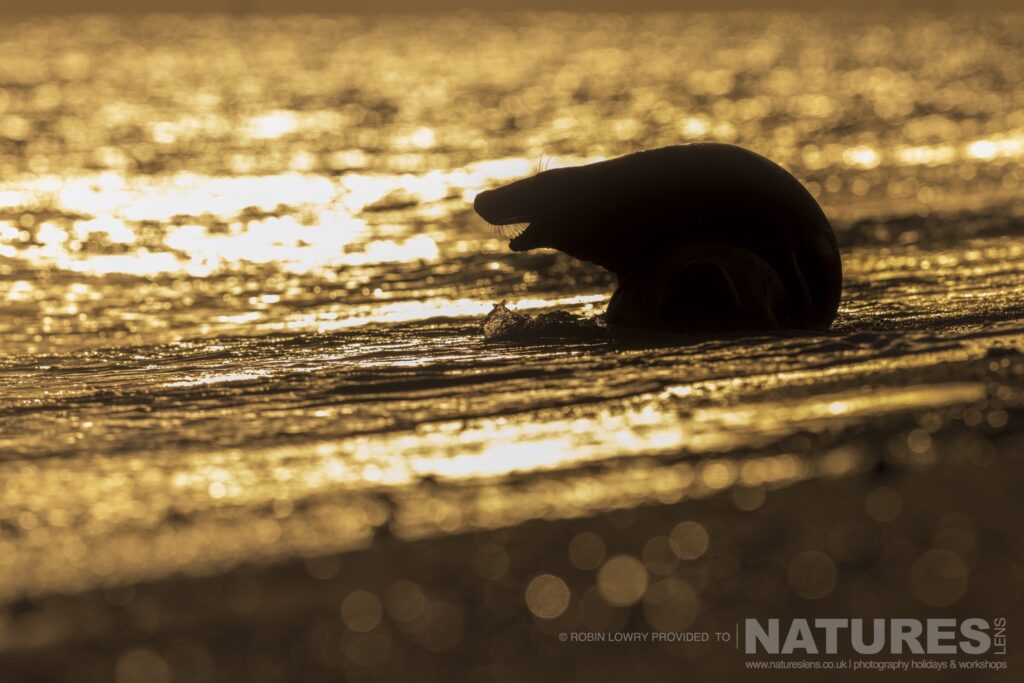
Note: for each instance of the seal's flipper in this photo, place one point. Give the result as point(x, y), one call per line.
point(701, 296)
point(711, 288)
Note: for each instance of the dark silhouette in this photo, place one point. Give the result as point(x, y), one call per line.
point(703, 237)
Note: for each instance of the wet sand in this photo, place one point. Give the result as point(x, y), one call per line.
point(899, 540)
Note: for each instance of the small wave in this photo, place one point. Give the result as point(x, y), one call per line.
point(504, 324)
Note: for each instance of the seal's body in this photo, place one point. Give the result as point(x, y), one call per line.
point(703, 237)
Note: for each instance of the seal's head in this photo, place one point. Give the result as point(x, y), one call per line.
point(539, 211)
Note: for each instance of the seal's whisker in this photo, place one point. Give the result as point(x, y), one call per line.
point(511, 230)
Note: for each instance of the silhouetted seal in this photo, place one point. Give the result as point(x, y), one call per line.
point(703, 237)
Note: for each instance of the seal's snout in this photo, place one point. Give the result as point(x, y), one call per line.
point(491, 207)
point(483, 205)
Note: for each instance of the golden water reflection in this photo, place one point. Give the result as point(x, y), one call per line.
point(324, 216)
point(482, 455)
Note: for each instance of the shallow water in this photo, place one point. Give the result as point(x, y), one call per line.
point(243, 286)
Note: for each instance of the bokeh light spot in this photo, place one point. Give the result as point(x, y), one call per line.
point(689, 540)
point(587, 550)
point(812, 575)
point(938, 578)
point(547, 596)
point(361, 611)
point(671, 605)
point(883, 504)
point(622, 580)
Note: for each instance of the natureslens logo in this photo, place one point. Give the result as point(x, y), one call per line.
point(876, 636)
